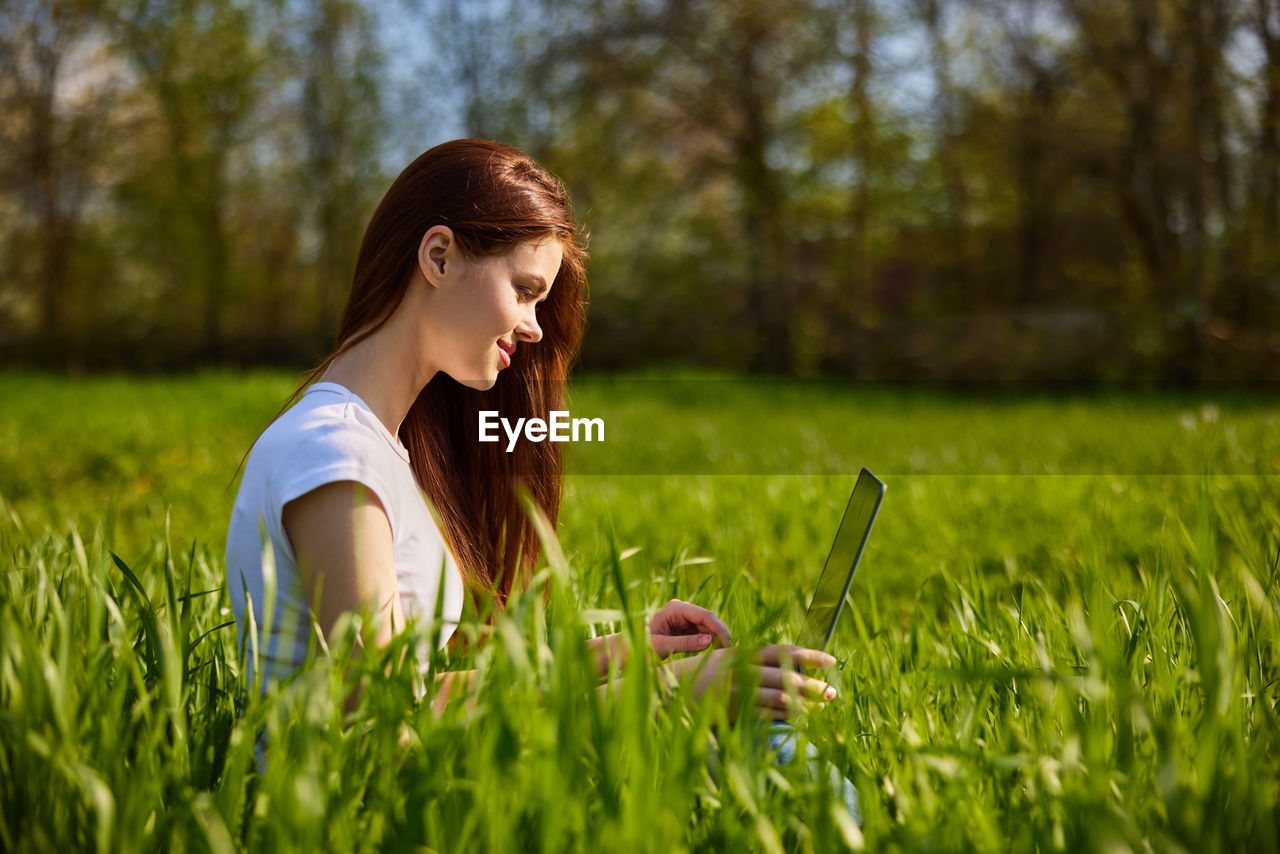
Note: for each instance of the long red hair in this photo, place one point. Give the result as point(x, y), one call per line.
point(493, 197)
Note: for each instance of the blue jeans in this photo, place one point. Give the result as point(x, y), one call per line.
point(782, 739)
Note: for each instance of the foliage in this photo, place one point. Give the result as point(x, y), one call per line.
point(1028, 190)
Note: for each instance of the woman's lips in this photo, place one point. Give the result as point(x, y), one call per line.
point(506, 354)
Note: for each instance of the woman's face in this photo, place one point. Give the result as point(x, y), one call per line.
point(485, 308)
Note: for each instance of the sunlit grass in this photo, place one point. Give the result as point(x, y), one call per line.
point(1045, 662)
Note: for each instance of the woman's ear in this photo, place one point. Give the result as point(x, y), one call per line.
point(435, 252)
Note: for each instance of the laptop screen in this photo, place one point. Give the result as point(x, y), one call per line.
point(842, 561)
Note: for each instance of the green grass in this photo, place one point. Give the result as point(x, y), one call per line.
point(1063, 637)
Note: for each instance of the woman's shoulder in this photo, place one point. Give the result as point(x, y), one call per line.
point(327, 424)
point(329, 435)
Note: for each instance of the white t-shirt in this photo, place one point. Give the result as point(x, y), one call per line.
point(329, 435)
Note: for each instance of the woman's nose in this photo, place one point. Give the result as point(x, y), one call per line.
point(530, 329)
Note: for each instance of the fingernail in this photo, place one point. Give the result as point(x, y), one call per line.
point(831, 693)
point(704, 638)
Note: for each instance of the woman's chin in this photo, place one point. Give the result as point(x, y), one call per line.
point(483, 384)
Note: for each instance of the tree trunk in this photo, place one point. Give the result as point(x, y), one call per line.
point(1034, 219)
point(57, 224)
point(1201, 104)
point(861, 296)
point(953, 174)
point(769, 290)
point(1265, 193)
point(55, 228)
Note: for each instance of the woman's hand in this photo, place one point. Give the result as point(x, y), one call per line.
point(683, 627)
point(675, 627)
point(763, 683)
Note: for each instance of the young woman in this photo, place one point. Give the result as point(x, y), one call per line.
point(468, 294)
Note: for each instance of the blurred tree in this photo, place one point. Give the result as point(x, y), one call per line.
point(54, 106)
point(863, 131)
point(482, 62)
point(947, 111)
point(1035, 79)
point(709, 89)
point(1264, 179)
point(1172, 171)
point(196, 63)
point(929, 188)
point(468, 35)
point(1205, 35)
point(340, 116)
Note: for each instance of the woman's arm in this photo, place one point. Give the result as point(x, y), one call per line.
point(609, 648)
point(342, 541)
point(454, 685)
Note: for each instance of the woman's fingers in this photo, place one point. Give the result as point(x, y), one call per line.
point(789, 655)
point(775, 705)
point(804, 686)
point(768, 704)
point(665, 645)
point(764, 688)
point(779, 694)
point(700, 619)
point(773, 698)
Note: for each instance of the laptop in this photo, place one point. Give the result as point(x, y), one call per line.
point(846, 551)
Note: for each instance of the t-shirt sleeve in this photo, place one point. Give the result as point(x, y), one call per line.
point(330, 453)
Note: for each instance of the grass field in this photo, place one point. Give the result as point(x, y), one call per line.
point(1063, 636)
